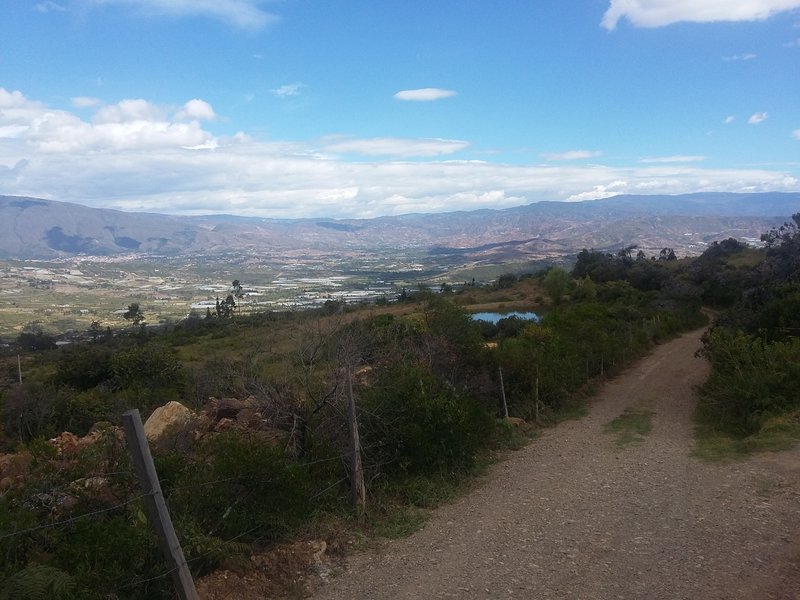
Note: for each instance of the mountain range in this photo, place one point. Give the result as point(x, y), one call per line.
point(34, 228)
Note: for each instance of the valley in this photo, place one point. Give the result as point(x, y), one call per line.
point(65, 266)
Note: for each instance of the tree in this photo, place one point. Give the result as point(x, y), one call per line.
point(225, 308)
point(94, 330)
point(134, 314)
point(506, 280)
point(34, 338)
point(667, 254)
point(237, 291)
point(556, 284)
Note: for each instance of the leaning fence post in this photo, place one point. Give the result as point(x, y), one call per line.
point(503, 394)
point(157, 508)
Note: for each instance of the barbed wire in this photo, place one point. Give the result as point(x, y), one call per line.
point(187, 562)
point(63, 522)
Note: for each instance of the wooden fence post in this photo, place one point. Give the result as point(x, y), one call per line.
point(157, 508)
point(503, 393)
point(358, 489)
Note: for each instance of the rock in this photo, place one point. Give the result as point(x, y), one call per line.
point(224, 425)
point(164, 417)
point(65, 444)
point(516, 421)
point(247, 417)
point(14, 465)
point(228, 408)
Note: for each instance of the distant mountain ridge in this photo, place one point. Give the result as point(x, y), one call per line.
point(36, 228)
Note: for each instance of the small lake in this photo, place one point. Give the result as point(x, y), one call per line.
point(494, 317)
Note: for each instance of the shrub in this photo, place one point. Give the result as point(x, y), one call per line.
point(238, 486)
point(413, 424)
point(750, 381)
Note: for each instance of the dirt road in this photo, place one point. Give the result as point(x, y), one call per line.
point(574, 516)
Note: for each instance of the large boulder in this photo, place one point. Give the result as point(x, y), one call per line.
point(172, 414)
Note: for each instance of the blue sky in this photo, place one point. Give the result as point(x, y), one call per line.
point(361, 108)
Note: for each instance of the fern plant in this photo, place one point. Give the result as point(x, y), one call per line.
point(38, 582)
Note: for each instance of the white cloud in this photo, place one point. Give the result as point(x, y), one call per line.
point(424, 94)
point(738, 57)
point(85, 102)
point(390, 146)
point(793, 44)
point(571, 155)
point(48, 6)
point(129, 110)
point(672, 159)
point(13, 99)
point(12, 131)
point(140, 158)
point(603, 190)
point(245, 14)
point(757, 118)
point(796, 134)
point(658, 13)
point(729, 119)
point(288, 90)
point(125, 126)
point(196, 110)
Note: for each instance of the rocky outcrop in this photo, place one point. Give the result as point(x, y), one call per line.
point(172, 414)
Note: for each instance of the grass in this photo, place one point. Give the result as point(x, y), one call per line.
point(575, 408)
point(776, 434)
point(631, 426)
point(402, 523)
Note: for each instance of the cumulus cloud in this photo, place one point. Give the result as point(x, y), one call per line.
point(600, 191)
point(658, 13)
point(796, 134)
point(13, 99)
point(85, 102)
point(140, 157)
point(729, 119)
point(288, 90)
point(672, 159)
point(127, 125)
point(391, 146)
point(245, 14)
point(757, 118)
point(128, 111)
point(196, 110)
point(571, 155)
point(424, 94)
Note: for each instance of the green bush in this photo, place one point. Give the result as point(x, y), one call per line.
point(751, 380)
point(414, 424)
point(239, 486)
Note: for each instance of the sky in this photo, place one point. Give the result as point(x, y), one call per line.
point(365, 108)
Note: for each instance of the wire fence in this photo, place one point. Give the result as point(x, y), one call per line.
point(217, 545)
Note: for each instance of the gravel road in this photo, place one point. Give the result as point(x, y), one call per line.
point(574, 516)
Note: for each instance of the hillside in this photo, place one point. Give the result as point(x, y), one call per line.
point(580, 514)
point(36, 228)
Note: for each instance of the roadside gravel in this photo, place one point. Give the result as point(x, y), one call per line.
point(574, 516)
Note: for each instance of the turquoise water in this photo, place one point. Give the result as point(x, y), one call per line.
point(494, 317)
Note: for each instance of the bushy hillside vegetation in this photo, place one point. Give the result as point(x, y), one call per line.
point(750, 400)
point(267, 458)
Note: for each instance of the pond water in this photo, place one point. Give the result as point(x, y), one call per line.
point(494, 317)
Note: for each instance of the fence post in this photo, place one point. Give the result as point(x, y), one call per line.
point(157, 508)
point(503, 394)
point(358, 489)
